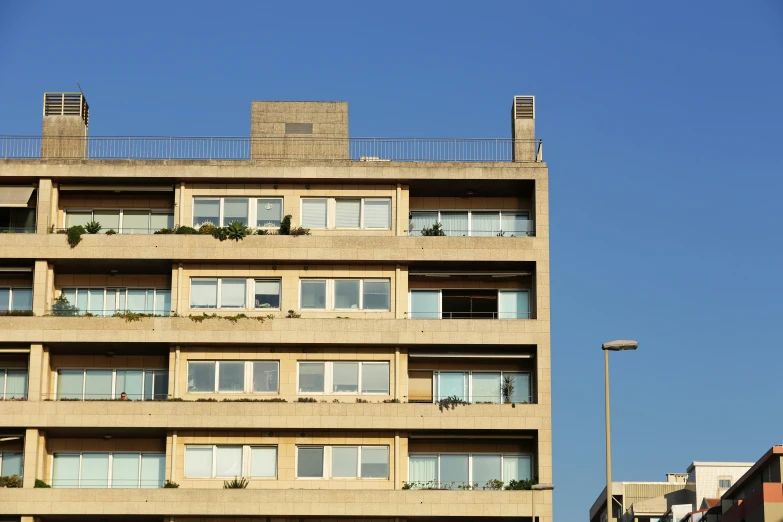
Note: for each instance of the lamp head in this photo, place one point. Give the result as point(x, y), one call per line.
point(619, 346)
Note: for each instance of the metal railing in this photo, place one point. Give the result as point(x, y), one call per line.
point(474, 399)
point(282, 148)
point(469, 315)
point(16, 230)
point(102, 312)
point(453, 232)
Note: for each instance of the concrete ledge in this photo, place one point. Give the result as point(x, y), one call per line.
point(260, 415)
point(249, 502)
point(277, 248)
point(181, 330)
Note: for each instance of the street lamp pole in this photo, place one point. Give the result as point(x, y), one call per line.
point(613, 346)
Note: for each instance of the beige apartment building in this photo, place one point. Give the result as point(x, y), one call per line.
point(391, 364)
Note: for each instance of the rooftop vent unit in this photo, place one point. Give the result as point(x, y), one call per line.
point(524, 107)
point(67, 104)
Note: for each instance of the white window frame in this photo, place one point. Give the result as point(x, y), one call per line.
point(252, 210)
point(111, 462)
point(327, 461)
point(247, 387)
point(436, 391)
point(250, 296)
point(4, 373)
point(11, 294)
point(439, 219)
point(440, 300)
point(121, 211)
point(330, 293)
point(470, 463)
point(329, 377)
point(246, 459)
point(115, 394)
point(12, 452)
point(331, 212)
point(122, 289)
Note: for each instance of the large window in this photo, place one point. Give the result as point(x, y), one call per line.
point(473, 386)
point(473, 222)
point(346, 213)
point(469, 304)
point(225, 293)
point(123, 221)
point(345, 294)
point(107, 301)
point(460, 470)
point(13, 383)
point(261, 212)
point(228, 461)
point(342, 462)
point(10, 463)
point(343, 377)
point(233, 376)
point(108, 470)
point(96, 384)
point(16, 298)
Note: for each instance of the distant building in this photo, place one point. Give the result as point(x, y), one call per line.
point(756, 496)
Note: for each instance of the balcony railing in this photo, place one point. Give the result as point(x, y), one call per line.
point(273, 148)
point(468, 315)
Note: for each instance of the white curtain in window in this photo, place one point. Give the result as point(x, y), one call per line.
point(375, 377)
point(267, 293)
point(198, 462)
point(232, 293)
point(125, 470)
point(516, 468)
point(346, 294)
point(109, 220)
point(228, 461)
point(206, 211)
point(516, 224)
point(81, 300)
point(153, 470)
point(269, 212)
point(16, 384)
point(77, 218)
point(348, 213)
point(235, 210)
point(136, 222)
point(484, 223)
point(486, 387)
point(12, 464)
point(420, 221)
point(96, 301)
point(454, 223)
point(263, 462)
point(375, 462)
point(345, 461)
point(159, 220)
point(97, 384)
point(422, 469)
point(65, 471)
point(377, 213)
point(70, 384)
point(514, 304)
point(203, 293)
point(345, 377)
point(314, 213)
point(425, 304)
point(95, 470)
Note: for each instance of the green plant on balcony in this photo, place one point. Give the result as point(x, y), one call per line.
point(170, 484)
point(285, 226)
point(16, 313)
point(306, 399)
point(63, 307)
point(111, 232)
point(163, 231)
point(74, 235)
point(236, 483)
point(93, 227)
point(391, 401)
point(494, 485)
point(236, 231)
point(525, 485)
point(435, 230)
point(293, 315)
point(508, 387)
point(14, 481)
point(450, 402)
point(41, 484)
point(300, 231)
point(186, 231)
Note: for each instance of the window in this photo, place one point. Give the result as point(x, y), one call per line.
point(367, 462)
point(346, 213)
point(10, 463)
point(107, 301)
point(16, 299)
point(509, 223)
point(724, 483)
point(233, 376)
point(231, 293)
point(344, 377)
point(95, 384)
point(108, 470)
point(227, 461)
point(469, 304)
point(259, 212)
point(123, 220)
point(13, 383)
point(345, 294)
point(482, 386)
point(267, 293)
point(452, 470)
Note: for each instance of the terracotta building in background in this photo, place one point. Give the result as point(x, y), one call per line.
point(376, 349)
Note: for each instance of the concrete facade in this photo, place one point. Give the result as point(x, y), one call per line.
point(299, 150)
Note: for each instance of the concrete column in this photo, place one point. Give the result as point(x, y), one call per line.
point(46, 374)
point(41, 275)
point(41, 471)
point(397, 307)
point(34, 373)
point(31, 457)
point(398, 204)
point(43, 218)
point(397, 481)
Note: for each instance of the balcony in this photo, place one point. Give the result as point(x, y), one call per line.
point(271, 148)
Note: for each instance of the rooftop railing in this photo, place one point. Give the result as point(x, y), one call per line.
point(272, 148)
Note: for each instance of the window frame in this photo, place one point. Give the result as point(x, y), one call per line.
point(121, 210)
point(110, 467)
point(246, 460)
point(252, 210)
point(123, 290)
point(470, 463)
point(250, 295)
point(436, 391)
point(439, 218)
point(11, 452)
point(440, 302)
point(329, 377)
point(114, 392)
point(279, 293)
point(330, 289)
point(331, 212)
point(247, 385)
point(11, 290)
point(4, 390)
point(327, 462)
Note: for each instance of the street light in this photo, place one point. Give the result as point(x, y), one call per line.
point(539, 487)
point(613, 346)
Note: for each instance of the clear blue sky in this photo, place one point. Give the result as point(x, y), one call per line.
point(662, 129)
